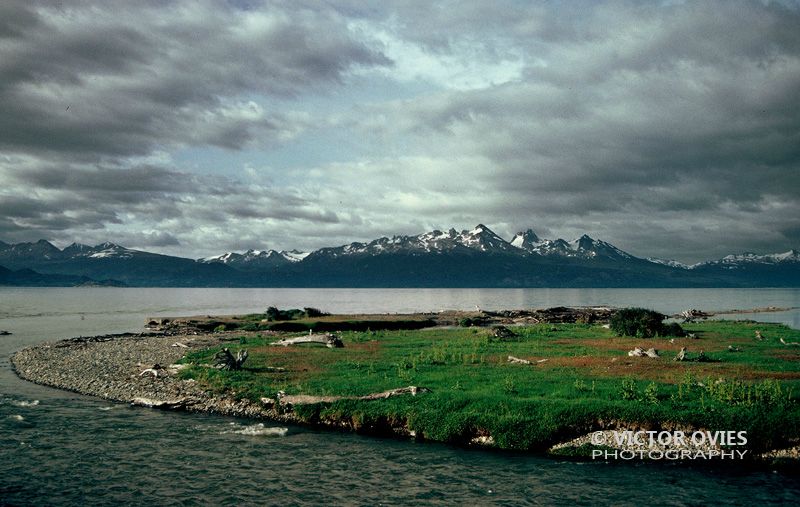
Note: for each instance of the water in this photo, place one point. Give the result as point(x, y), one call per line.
point(59, 448)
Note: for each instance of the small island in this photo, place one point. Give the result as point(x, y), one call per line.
point(533, 380)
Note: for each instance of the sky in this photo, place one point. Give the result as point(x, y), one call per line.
point(670, 129)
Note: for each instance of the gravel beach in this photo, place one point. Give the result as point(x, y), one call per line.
point(132, 368)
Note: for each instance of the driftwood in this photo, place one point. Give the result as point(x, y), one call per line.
point(516, 360)
point(156, 370)
point(152, 403)
point(639, 352)
point(224, 360)
point(329, 340)
point(796, 344)
point(692, 315)
point(287, 400)
point(412, 390)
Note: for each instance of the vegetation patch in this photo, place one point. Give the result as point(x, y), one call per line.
point(579, 376)
point(643, 323)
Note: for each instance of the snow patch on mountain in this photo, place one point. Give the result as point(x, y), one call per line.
point(670, 262)
point(257, 257)
point(109, 250)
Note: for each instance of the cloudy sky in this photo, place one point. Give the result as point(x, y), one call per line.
point(670, 129)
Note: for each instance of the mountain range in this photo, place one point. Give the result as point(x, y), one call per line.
point(468, 258)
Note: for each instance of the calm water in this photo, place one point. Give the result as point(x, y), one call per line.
point(58, 448)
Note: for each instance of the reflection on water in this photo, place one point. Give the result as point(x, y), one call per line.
point(59, 448)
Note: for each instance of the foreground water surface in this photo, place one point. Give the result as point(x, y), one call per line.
point(59, 448)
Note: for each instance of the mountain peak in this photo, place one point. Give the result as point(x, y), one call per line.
point(525, 240)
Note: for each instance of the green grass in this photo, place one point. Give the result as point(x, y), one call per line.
point(587, 378)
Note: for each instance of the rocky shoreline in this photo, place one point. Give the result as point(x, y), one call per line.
point(141, 369)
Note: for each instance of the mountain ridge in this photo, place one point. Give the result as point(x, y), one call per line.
point(471, 257)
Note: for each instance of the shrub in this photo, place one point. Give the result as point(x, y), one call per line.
point(673, 329)
point(473, 321)
point(274, 314)
point(642, 323)
point(628, 389)
point(314, 312)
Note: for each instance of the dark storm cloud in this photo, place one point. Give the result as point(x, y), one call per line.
point(133, 180)
point(669, 128)
point(119, 79)
point(684, 113)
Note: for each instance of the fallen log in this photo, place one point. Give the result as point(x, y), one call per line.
point(796, 344)
point(330, 340)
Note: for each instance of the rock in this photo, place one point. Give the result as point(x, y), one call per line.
point(639, 352)
point(224, 360)
point(503, 333)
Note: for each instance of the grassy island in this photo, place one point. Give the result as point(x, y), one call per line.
point(566, 379)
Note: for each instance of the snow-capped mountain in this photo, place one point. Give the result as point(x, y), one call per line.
point(749, 258)
point(478, 239)
point(736, 260)
point(107, 250)
point(254, 259)
point(584, 247)
point(40, 249)
point(474, 257)
point(44, 251)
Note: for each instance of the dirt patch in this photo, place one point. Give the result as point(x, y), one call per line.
point(787, 354)
point(660, 369)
